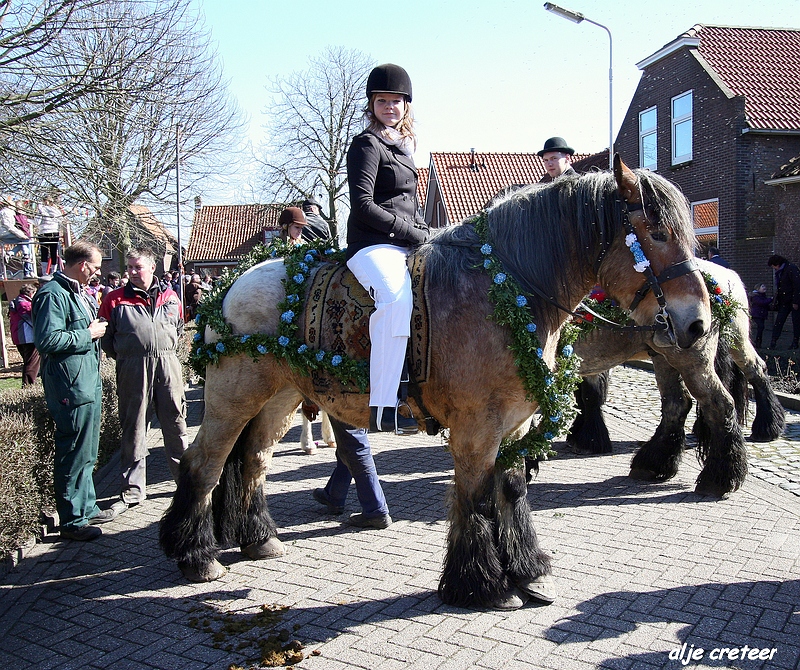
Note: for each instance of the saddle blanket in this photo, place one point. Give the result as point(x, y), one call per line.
point(336, 318)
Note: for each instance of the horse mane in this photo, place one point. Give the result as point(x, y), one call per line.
point(546, 233)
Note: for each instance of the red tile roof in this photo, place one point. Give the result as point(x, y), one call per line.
point(706, 214)
point(228, 232)
point(762, 64)
point(422, 186)
point(469, 181)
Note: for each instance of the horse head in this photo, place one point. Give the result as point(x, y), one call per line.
point(652, 271)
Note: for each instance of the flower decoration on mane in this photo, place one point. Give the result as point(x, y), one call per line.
point(638, 253)
point(300, 262)
point(552, 390)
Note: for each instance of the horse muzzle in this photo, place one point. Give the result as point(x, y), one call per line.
point(668, 335)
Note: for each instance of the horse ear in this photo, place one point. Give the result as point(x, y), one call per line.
point(626, 181)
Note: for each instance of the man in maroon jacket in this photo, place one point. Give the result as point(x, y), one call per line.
point(145, 324)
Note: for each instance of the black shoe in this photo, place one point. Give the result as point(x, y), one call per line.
point(321, 497)
point(404, 425)
point(104, 516)
point(377, 522)
point(81, 533)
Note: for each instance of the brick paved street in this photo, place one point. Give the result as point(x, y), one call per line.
point(641, 570)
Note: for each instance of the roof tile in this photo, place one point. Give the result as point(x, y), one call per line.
point(228, 232)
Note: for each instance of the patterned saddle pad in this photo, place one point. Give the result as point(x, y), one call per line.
point(337, 311)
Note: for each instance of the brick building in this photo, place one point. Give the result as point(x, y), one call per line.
point(717, 111)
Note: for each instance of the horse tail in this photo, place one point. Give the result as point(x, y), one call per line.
point(770, 420)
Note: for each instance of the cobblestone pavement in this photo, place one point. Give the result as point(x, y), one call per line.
point(642, 569)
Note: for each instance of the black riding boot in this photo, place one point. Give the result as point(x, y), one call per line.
point(391, 421)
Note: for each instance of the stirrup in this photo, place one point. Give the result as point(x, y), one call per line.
point(410, 430)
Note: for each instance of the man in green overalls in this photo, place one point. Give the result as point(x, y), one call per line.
point(67, 334)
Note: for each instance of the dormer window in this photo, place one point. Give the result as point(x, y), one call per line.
point(682, 128)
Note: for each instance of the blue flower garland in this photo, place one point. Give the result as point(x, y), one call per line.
point(552, 390)
point(299, 262)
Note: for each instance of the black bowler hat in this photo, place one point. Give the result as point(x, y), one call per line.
point(389, 78)
point(556, 144)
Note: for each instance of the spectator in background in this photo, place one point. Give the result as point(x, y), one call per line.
point(21, 322)
point(714, 257)
point(24, 225)
point(292, 222)
point(94, 290)
point(759, 309)
point(113, 281)
point(10, 233)
point(48, 224)
point(787, 298)
point(67, 334)
point(145, 325)
point(192, 294)
point(316, 227)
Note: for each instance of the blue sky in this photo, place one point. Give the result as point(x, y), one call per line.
point(499, 75)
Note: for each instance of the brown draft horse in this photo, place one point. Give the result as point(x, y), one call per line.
point(707, 371)
point(556, 240)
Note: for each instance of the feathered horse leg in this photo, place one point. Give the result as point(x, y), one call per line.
point(659, 457)
point(236, 391)
point(493, 558)
point(589, 433)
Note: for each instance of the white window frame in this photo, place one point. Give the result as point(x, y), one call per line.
point(678, 121)
point(709, 230)
point(645, 134)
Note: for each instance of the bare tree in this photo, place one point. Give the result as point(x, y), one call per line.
point(116, 146)
point(311, 120)
point(29, 35)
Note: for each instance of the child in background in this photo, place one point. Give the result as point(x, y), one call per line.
point(759, 307)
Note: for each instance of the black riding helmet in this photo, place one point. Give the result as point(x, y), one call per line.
point(389, 78)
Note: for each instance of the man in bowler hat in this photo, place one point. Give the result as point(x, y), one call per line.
point(555, 156)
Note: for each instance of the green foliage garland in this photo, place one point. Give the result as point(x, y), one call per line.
point(284, 345)
point(553, 390)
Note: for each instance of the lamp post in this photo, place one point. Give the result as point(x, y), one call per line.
point(577, 17)
point(178, 211)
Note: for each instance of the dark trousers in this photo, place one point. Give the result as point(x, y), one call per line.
point(354, 462)
point(77, 438)
point(780, 319)
point(48, 248)
point(30, 362)
point(758, 322)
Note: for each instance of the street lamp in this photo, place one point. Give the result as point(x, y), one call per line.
point(577, 17)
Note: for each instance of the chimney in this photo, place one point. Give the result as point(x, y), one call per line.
point(198, 202)
point(472, 164)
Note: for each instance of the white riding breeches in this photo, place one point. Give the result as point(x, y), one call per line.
point(381, 270)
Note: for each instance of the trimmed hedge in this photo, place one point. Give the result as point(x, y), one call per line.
point(26, 459)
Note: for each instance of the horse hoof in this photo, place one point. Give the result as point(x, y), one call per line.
point(542, 589)
point(205, 573)
point(513, 599)
point(643, 475)
point(332, 445)
point(712, 491)
point(311, 449)
point(272, 548)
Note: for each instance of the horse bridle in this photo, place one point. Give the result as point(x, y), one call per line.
point(652, 282)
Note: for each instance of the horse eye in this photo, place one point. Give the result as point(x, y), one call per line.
point(658, 236)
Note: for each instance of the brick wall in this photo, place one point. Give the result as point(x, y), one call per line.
point(726, 164)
